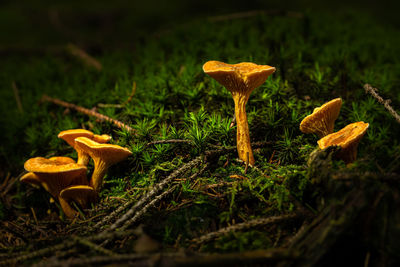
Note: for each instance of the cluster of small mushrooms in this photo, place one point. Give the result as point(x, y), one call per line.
point(322, 121)
point(65, 179)
point(242, 78)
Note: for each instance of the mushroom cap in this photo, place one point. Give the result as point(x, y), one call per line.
point(43, 165)
point(65, 160)
point(81, 194)
point(106, 152)
point(322, 120)
point(56, 175)
point(104, 138)
point(347, 138)
point(242, 77)
point(70, 135)
point(31, 178)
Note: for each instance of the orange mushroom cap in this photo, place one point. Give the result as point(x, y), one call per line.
point(242, 77)
point(103, 155)
point(347, 138)
point(80, 194)
point(32, 179)
point(322, 120)
point(104, 138)
point(55, 174)
point(69, 136)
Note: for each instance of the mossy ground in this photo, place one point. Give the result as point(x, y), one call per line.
point(318, 57)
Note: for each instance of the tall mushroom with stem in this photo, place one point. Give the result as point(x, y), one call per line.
point(103, 155)
point(240, 79)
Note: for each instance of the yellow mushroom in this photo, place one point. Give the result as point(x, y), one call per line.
point(103, 155)
point(82, 195)
point(69, 136)
point(55, 175)
point(347, 138)
point(240, 79)
point(322, 120)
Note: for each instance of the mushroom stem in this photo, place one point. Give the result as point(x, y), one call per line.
point(100, 169)
point(67, 209)
point(242, 134)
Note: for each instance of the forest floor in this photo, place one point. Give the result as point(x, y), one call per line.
point(183, 197)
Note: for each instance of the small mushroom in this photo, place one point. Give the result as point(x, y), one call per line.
point(322, 120)
point(104, 138)
point(240, 79)
point(347, 138)
point(70, 135)
point(80, 194)
point(55, 175)
point(31, 179)
point(103, 155)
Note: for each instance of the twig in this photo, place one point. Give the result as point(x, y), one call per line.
point(156, 189)
point(88, 112)
point(139, 214)
point(253, 13)
point(84, 57)
point(38, 253)
point(386, 103)
point(93, 246)
point(169, 141)
point(243, 226)
point(17, 97)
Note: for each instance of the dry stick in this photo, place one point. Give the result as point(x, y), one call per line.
point(93, 246)
point(152, 203)
point(244, 226)
point(87, 112)
point(38, 253)
point(115, 213)
point(84, 57)
point(156, 189)
point(169, 141)
point(17, 98)
point(386, 103)
point(140, 213)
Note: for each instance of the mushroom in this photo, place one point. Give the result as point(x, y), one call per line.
point(322, 120)
point(55, 175)
point(347, 138)
point(103, 155)
point(104, 138)
point(240, 79)
point(32, 179)
point(80, 194)
point(70, 135)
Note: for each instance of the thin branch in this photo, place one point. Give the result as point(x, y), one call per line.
point(151, 204)
point(386, 103)
point(38, 253)
point(156, 189)
point(243, 226)
point(169, 141)
point(17, 97)
point(88, 112)
point(84, 57)
point(93, 246)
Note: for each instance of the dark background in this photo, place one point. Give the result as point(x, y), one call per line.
point(98, 25)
